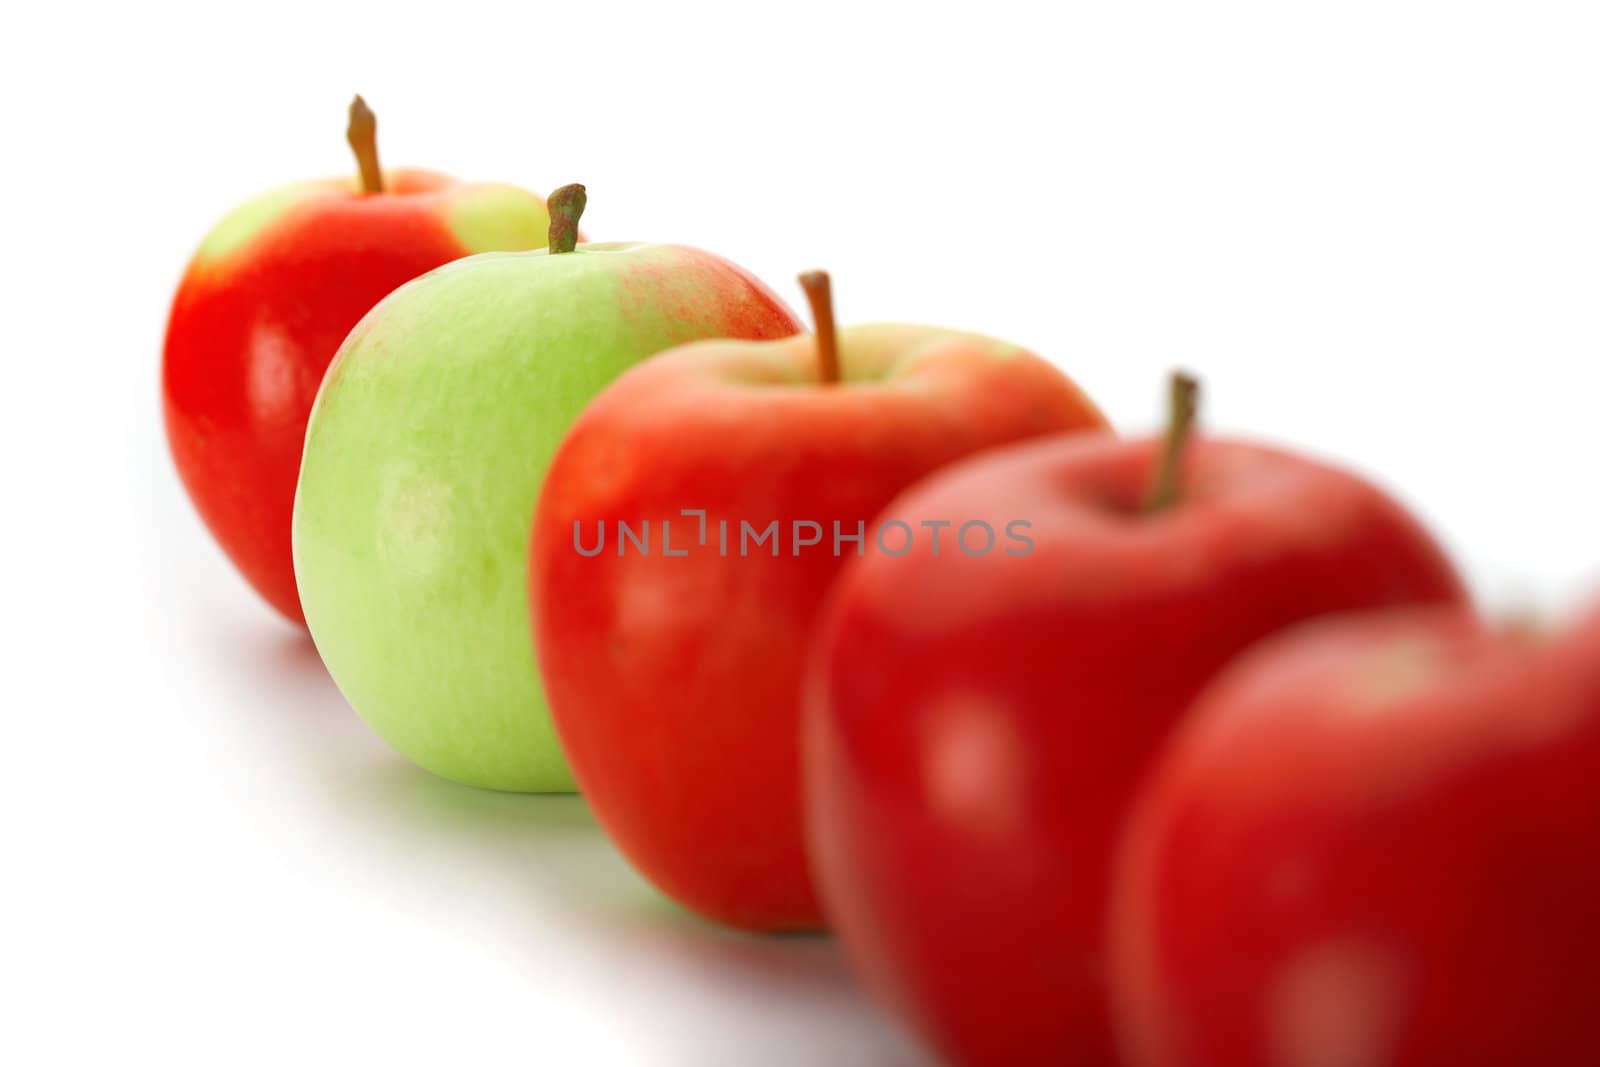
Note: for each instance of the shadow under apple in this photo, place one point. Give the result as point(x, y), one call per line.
point(536, 873)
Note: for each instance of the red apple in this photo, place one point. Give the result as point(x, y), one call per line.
point(977, 724)
point(673, 672)
point(1375, 842)
point(264, 305)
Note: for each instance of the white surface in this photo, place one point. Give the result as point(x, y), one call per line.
point(1373, 227)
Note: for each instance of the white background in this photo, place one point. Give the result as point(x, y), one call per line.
point(1373, 227)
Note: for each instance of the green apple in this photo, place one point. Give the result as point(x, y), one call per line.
point(424, 456)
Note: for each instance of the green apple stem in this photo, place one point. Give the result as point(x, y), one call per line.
point(362, 133)
point(819, 291)
point(566, 206)
point(1183, 402)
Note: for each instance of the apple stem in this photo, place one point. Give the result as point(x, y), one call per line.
point(1183, 402)
point(566, 206)
point(362, 133)
point(1524, 626)
point(819, 291)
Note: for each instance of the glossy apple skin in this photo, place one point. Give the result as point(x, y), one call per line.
point(424, 458)
point(260, 312)
point(1377, 842)
point(976, 726)
point(675, 681)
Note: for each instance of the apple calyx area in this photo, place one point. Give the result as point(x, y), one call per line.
point(566, 206)
point(819, 292)
point(1183, 402)
point(362, 133)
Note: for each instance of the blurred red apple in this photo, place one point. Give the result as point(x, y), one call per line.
point(1376, 842)
point(977, 724)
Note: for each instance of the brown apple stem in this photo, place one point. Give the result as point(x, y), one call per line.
point(362, 133)
point(566, 206)
point(1183, 402)
point(819, 291)
point(1524, 625)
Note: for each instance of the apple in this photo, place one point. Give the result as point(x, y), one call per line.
point(262, 308)
point(1375, 841)
point(424, 456)
point(976, 724)
point(673, 669)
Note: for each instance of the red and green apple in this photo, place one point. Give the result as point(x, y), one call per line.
point(262, 308)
